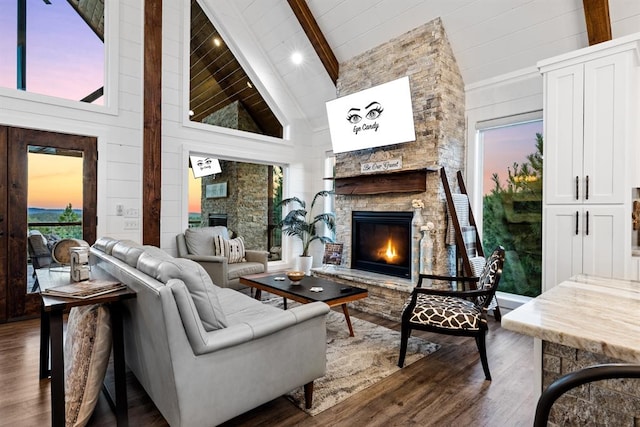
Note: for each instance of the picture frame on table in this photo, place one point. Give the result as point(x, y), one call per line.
point(332, 254)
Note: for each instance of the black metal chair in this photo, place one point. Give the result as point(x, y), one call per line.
point(578, 378)
point(449, 312)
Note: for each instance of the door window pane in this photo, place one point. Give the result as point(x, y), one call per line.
point(512, 203)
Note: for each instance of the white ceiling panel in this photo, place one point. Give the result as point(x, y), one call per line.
point(489, 38)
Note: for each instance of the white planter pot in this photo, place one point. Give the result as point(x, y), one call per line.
point(305, 263)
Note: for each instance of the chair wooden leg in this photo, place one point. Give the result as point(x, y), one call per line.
point(404, 339)
point(308, 395)
point(482, 348)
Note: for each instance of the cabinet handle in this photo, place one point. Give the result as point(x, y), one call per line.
point(577, 184)
point(577, 219)
point(587, 192)
point(587, 224)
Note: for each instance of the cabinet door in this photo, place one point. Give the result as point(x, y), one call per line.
point(606, 109)
point(562, 244)
point(563, 137)
point(603, 245)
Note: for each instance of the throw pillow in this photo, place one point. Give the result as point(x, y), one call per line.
point(232, 249)
point(86, 354)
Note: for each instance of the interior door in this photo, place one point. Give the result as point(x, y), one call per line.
point(15, 300)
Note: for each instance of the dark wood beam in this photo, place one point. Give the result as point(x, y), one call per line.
point(596, 15)
point(319, 43)
point(151, 134)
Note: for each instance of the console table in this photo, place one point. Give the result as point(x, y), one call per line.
point(51, 331)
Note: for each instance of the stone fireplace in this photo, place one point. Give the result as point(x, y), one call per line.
point(437, 92)
point(381, 242)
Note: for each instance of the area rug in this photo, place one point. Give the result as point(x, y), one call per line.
point(355, 363)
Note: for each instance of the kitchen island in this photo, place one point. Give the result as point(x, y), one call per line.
point(584, 321)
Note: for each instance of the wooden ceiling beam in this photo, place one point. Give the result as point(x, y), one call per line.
point(313, 32)
point(596, 15)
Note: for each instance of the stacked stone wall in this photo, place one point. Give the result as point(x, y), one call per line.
point(437, 93)
point(603, 403)
point(246, 204)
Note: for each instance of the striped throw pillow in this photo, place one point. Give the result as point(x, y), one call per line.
point(232, 249)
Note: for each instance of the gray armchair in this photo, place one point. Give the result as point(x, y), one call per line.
point(199, 245)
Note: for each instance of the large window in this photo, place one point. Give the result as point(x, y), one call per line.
point(221, 93)
point(53, 48)
point(243, 197)
point(512, 202)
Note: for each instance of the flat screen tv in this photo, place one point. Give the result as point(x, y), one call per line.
point(381, 115)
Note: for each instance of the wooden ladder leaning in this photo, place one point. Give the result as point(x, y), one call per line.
point(463, 262)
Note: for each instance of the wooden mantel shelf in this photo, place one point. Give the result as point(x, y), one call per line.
point(401, 181)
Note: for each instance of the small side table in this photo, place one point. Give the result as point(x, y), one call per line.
point(51, 331)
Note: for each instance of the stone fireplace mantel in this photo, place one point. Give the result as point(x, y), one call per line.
point(400, 181)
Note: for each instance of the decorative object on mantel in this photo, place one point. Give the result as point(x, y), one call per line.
point(301, 224)
point(382, 166)
point(426, 248)
point(416, 223)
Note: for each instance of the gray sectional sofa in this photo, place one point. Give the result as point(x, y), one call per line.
point(205, 354)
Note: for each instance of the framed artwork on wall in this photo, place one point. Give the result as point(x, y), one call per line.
point(215, 191)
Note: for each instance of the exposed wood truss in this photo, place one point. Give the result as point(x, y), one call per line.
point(596, 15)
point(151, 133)
point(320, 44)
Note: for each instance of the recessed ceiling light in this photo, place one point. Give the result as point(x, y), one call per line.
point(191, 113)
point(249, 85)
point(296, 58)
point(217, 42)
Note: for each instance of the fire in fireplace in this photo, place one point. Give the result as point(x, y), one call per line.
point(381, 242)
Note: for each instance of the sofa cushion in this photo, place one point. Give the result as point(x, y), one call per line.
point(239, 269)
point(105, 244)
point(86, 351)
point(194, 276)
point(200, 240)
point(232, 249)
point(127, 251)
point(156, 252)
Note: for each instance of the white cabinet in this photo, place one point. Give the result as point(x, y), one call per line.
point(583, 239)
point(590, 129)
point(585, 131)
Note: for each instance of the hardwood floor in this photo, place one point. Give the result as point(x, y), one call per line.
point(446, 388)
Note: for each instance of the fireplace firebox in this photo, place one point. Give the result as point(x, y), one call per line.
point(381, 242)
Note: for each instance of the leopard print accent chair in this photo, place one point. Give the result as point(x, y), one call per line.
point(454, 312)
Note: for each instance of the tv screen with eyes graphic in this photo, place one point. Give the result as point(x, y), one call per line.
point(204, 166)
point(381, 115)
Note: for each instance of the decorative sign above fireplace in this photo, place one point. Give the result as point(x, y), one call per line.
point(383, 166)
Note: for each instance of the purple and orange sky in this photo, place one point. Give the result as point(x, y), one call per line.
point(505, 145)
point(65, 59)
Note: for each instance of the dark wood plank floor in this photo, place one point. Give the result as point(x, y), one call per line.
point(446, 388)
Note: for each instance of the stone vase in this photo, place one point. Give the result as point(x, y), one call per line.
point(416, 222)
point(426, 253)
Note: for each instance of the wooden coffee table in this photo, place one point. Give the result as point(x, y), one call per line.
point(333, 294)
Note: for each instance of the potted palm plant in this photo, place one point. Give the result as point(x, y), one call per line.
point(301, 223)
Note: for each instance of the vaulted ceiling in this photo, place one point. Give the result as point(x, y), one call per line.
point(489, 38)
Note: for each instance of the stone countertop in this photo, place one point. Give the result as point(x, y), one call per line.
point(590, 313)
